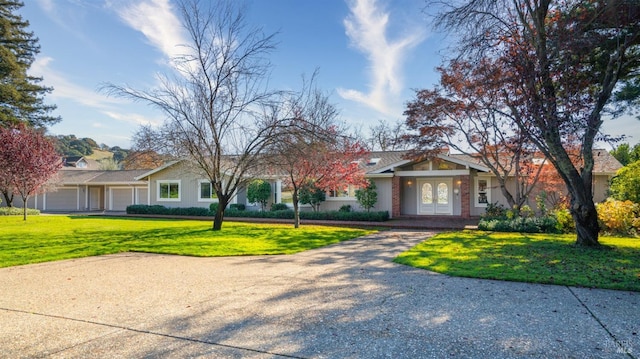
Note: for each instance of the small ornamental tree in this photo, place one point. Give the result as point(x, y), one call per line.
point(626, 184)
point(27, 161)
point(311, 194)
point(259, 192)
point(367, 196)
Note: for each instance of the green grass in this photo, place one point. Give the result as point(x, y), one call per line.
point(534, 258)
point(49, 238)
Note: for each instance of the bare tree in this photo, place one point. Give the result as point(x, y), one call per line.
point(219, 111)
point(562, 60)
point(386, 136)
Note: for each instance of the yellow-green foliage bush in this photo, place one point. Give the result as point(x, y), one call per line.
point(619, 217)
point(566, 224)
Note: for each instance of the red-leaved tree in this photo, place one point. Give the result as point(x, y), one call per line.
point(28, 160)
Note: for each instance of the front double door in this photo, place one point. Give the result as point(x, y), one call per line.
point(435, 196)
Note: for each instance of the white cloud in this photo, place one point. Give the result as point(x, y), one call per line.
point(64, 88)
point(133, 118)
point(367, 29)
point(156, 20)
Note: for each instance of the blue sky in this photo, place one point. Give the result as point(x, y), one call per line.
point(371, 55)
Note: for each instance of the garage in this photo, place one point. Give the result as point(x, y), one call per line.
point(63, 199)
point(121, 198)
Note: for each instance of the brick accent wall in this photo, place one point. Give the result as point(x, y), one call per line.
point(465, 196)
point(395, 197)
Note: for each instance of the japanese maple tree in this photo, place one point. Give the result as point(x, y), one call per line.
point(561, 62)
point(28, 160)
point(466, 113)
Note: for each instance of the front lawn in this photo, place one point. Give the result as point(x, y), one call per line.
point(535, 258)
point(49, 238)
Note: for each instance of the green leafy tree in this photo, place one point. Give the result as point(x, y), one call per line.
point(626, 184)
point(367, 197)
point(625, 154)
point(312, 195)
point(259, 191)
point(21, 95)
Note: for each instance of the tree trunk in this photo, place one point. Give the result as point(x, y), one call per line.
point(587, 228)
point(8, 197)
point(219, 217)
point(24, 211)
point(296, 209)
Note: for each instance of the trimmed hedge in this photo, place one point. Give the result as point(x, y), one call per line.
point(279, 214)
point(521, 225)
point(177, 211)
point(18, 211)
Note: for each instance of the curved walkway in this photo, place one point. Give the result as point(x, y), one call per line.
point(343, 301)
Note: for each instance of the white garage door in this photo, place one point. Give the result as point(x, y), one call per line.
point(64, 199)
point(120, 199)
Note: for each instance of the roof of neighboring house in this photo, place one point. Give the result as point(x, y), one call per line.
point(71, 163)
point(100, 177)
point(604, 162)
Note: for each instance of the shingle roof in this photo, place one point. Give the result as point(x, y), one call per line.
point(100, 177)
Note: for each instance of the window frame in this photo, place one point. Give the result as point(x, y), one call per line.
point(210, 199)
point(159, 183)
point(351, 189)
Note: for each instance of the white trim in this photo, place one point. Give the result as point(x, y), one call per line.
point(390, 167)
point(436, 173)
point(148, 174)
point(160, 182)
point(464, 163)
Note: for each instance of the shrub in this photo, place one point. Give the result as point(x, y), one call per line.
point(310, 194)
point(522, 225)
point(367, 197)
point(213, 207)
point(237, 206)
point(345, 208)
point(18, 211)
point(626, 184)
point(279, 207)
point(618, 217)
point(566, 224)
point(495, 211)
point(259, 192)
point(280, 214)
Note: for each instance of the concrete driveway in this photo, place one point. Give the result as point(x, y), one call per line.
point(343, 301)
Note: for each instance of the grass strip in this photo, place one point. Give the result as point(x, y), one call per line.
point(49, 238)
point(533, 258)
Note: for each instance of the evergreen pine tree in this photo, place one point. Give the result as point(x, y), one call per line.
point(21, 95)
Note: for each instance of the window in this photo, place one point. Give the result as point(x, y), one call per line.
point(206, 192)
point(427, 193)
point(443, 193)
point(169, 190)
point(483, 194)
point(348, 191)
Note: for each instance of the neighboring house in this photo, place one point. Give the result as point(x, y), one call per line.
point(79, 190)
point(79, 162)
point(449, 185)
